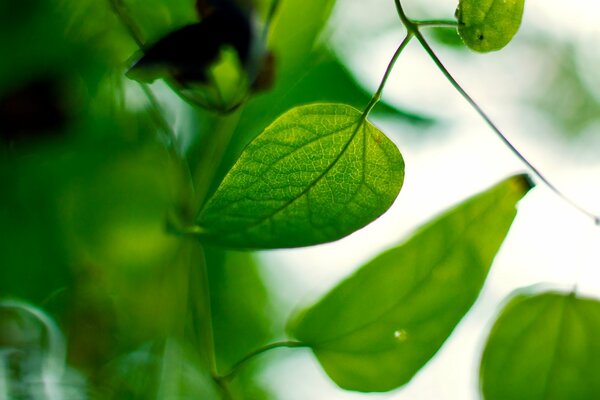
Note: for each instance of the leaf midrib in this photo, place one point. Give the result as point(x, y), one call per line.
point(360, 123)
point(408, 293)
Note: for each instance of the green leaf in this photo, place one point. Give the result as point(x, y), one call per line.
point(292, 41)
point(544, 346)
point(376, 329)
point(488, 25)
point(316, 174)
point(234, 276)
point(115, 215)
point(324, 80)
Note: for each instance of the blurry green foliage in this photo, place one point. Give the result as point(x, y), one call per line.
point(243, 316)
point(563, 95)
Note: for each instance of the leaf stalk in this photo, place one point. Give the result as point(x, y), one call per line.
point(276, 345)
point(413, 29)
point(377, 95)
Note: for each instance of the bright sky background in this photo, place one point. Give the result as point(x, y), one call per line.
point(550, 242)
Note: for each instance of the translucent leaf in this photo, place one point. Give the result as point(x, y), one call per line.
point(324, 80)
point(543, 346)
point(376, 329)
point(488, 25)
point(316, 174)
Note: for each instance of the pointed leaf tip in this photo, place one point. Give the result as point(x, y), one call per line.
point(379, 327)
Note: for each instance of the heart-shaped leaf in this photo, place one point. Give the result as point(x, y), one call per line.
point(316, 174)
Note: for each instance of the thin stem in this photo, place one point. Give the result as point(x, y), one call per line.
point(496, 130)
point(269, 18)
point(119, 9)
point(377, 95)
point(207, 168)
point(158, 116)
point(403, 18)
point(276, 345)
point(199, 278)
point(436, 23)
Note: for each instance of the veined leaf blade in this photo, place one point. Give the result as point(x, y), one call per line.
point(316, 174)
point(377, 328)
point(488, 25)
point(543, 346)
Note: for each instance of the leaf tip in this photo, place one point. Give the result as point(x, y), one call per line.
point(524, 182)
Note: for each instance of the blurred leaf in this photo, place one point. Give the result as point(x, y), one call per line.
point(157, 17)
point(295, 29)
point(488, 25)
point(562, 93)
point(31, 41)
point(94, 22)
point(379, 327)
point(317, 174)
point(32, 252)
point(116, 214)
point(328, 80)
point(161, 370)
point(242, 315)
point(447, 36)
point(543, 346)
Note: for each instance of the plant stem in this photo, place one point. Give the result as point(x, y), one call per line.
point(269, 18)
point(408, 24)
point(202, 311)
point(377, 95)
point(413, 28)
point(119, 9)
point(498, 132)
point(437, 23)
point(276, 345)
point(205, 171)
point(159, 118)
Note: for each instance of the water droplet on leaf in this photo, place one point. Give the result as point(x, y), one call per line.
point(401, 335)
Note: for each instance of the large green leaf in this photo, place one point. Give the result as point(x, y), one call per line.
point(325, 80)
point(330, 81)
point(318, 173)
point(488, 25)
point(377, 328)
point(544, 346)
